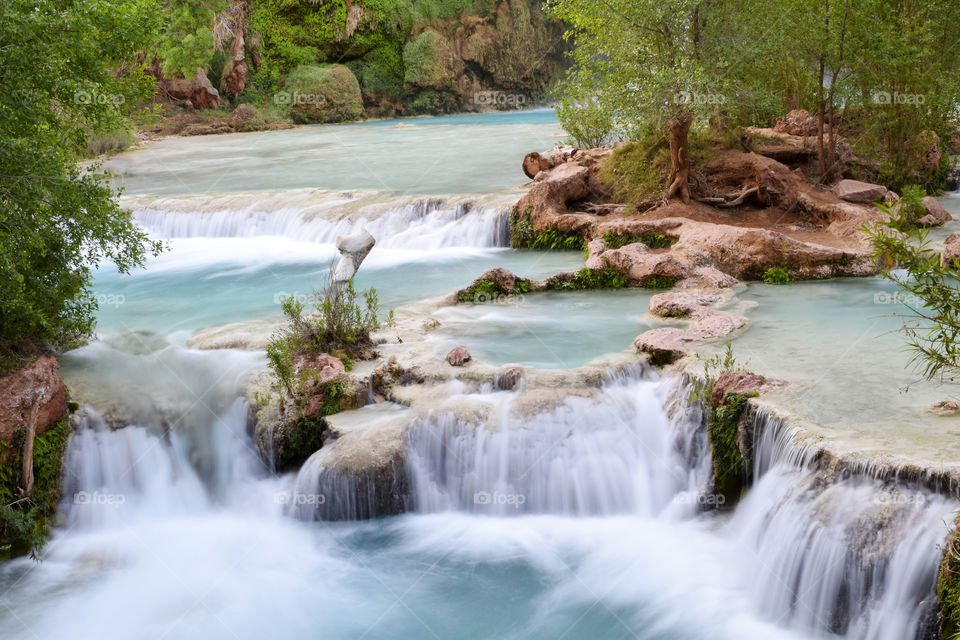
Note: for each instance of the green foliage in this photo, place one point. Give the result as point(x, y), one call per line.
point(521, 229)
point(323, 93)
point(659, 282)
point(60, 221)
point(553, 240)
point(186, 40)
point(932, 328)
point(948, 587)
point(586, 278)
point(730, 470)
point(636, 172)
point(482, 291)
point(25, 522)
point(652, 239)
point(340, 325)
point(776, 275)
point(909, 208)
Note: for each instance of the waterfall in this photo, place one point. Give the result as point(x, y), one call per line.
point(837, 553)
point(613, 453)
point(418, 224)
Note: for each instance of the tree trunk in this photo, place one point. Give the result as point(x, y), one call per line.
point(680, 157)
point(821, 105)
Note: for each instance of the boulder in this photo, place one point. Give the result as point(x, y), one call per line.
point(325, 369)
point(353, 249)
point(504, 281)
point(936, 215)
point(951, 251)
point(642, 266)
point(665, 345)
point(199, 91)
point(859, 192)
point(322, 93)
point(737, 383)
point(458, 356)
point(244, 115)
point(234, 78)
point(36, 384)
point(797, 122)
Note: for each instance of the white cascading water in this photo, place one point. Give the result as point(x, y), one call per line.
point(418, 224)
point(830, 554)
point(614, 453)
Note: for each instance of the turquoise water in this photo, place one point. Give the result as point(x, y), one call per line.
point(447, 154)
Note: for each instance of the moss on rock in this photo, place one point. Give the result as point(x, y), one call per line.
point(323, 93)
point(948, 586)
point(729, 467)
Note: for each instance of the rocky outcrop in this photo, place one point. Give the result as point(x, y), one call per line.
point(322, 93)
point(35, 389)
point(741, 383)
point(199, 92)
point(935, 215)
point(243, 116)
point(951, 251)
point(666, 345)
point(353, 249)
point(492, 284)
point(797, 122)
point(860, 192)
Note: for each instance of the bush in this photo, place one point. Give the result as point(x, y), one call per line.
point(24, 522)
point(776, 275)
point(553, 240)
point(340, 326)
point(586, 278)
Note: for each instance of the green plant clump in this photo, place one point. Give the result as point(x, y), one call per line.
point(553, 240)
point(25, 522)
point(340, 325)
point(776, 275)
point(587, 278)
point(660, 282)
point(652, 239)
point(521, 229)
point(948, 587)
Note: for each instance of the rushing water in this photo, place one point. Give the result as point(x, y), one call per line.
point(586, 518)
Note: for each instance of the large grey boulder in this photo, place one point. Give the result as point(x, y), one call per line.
point(353, 249)
point(861, 192)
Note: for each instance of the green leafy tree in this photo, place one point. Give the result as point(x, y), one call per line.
point(932, 328)
point(62, 80)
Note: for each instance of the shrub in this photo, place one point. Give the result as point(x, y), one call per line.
point(776, 275)
point(341, 326)
point(324, 93)
point(586, 278)
point(521, 229)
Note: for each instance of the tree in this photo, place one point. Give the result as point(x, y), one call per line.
point(933, 286)
point(59, 221)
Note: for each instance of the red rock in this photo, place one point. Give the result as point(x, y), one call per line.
point(735, 382)
point(40, 382)
point(797, 122)
point(936, 214)
point(458, 356)
point(325, 369)
point(951, 251)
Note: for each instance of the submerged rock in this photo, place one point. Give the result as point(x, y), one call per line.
point(668, 344)
point(353, 249)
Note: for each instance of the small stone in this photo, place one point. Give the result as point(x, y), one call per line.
point(458, 356)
